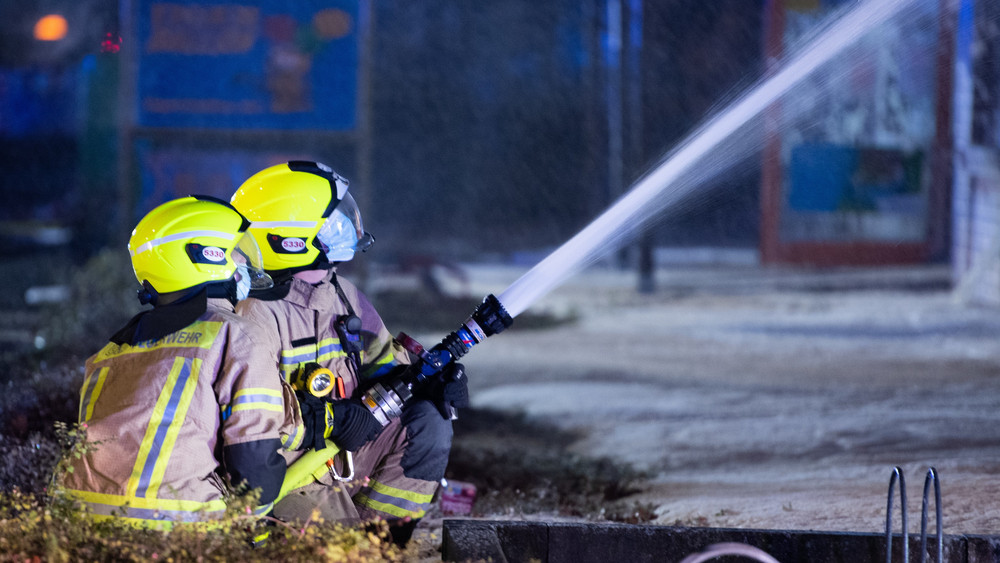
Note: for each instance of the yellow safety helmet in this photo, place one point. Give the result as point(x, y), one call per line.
point(301, 216)
point(191, 242)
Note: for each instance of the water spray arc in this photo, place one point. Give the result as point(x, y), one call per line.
point(496, 313)
point(653, 190)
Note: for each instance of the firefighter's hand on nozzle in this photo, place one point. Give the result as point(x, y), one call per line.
point(353, 425)
point(346, 422)
point(453, 391)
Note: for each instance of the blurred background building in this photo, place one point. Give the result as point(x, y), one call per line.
point(464, 128)
point(498, 130)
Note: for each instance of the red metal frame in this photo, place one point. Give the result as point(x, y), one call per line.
point(862, 253)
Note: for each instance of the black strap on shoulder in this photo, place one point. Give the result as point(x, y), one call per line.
point(342, 295)
point(162, 320)
point(348, 329)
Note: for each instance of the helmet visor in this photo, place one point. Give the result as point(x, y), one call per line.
point(248, 259)
point(343, 234)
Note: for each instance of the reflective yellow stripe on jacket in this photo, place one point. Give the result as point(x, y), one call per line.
point(326, 349)
point(393, 501)
point(149, 513)
point(161, 432)
point(293, 441)
point(257, 399)
point(380, 367)
point(89, 393)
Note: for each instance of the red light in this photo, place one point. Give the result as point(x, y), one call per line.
point(112, 43)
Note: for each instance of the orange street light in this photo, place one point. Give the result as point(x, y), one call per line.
point(52, 27)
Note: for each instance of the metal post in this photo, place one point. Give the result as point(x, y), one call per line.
point(647, 281)
point(363, 136)
point(612, 50)
point(125, 120)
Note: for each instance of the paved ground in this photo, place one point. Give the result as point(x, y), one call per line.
point(766, 398)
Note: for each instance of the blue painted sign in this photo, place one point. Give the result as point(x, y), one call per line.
point(250, 64)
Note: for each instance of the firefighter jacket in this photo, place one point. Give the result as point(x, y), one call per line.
point(303, 317)
point(403, 467)
point(173, 416)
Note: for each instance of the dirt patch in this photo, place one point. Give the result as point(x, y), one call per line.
point(524, 467)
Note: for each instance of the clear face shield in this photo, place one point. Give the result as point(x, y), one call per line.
point(343, 234)
point(250, 272)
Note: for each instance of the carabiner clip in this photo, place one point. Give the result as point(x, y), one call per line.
point(348, 461)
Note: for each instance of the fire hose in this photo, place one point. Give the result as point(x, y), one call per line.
point(386, 399)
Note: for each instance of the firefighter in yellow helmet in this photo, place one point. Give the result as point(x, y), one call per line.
point(306, 223)
point(183, 401)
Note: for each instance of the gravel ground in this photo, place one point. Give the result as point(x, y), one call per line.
point(765, 398)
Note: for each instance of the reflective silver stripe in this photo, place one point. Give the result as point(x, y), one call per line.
point(148, 245)
point(280, 224)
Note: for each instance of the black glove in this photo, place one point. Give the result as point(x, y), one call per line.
point(450, 391)
point(353, 425)
point(316, 417)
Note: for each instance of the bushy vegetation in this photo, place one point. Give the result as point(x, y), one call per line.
point(39, 524)
point(34, 528)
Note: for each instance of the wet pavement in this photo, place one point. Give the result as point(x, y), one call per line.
point(766, 398)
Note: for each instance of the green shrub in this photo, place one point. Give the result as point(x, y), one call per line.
point(34, 530)
point(35, 407)
point(44, 525)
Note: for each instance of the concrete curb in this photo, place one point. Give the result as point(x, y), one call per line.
point(517, 541)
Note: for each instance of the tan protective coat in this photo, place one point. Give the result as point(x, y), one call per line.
point(156, 409)
point(303, 321)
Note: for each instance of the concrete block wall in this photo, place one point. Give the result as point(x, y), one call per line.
point(548, 542)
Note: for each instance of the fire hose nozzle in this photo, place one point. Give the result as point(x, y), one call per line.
point(386, 399)
point(491, 316)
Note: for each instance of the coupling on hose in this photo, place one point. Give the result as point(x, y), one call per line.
point(386, 401)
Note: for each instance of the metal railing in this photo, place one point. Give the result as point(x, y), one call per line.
point(931, 478)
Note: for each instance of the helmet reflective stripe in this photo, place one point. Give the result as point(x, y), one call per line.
point(282, 224)
point(179, 236)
